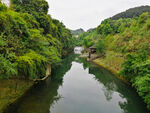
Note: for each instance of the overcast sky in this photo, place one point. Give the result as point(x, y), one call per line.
point(89, 13)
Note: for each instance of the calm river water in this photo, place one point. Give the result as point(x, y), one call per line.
point(77, 86)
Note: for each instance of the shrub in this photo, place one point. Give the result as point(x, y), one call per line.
point(143, 87)
point(7, 68)
point(31, 65)
point(100, 46)
point(135, 65)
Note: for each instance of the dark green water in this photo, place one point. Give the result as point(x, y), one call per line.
point(77, 86)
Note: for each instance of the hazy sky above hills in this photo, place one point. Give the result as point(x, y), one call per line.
point(89, 13)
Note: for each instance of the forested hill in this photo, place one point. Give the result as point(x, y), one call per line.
point(123, 46)
point(30, 39)
point(77, 32)
point(132, 12)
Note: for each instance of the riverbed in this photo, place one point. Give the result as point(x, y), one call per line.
point(78, 86)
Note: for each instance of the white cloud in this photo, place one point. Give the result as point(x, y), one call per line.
point(89, 13)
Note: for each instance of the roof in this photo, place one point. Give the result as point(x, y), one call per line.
point(92, 47)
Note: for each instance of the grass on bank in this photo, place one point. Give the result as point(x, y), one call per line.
point(112, 61)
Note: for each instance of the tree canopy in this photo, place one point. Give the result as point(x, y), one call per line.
point(30, 39)
point(132, 12)
point(129, 37)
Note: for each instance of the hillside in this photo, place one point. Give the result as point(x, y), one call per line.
point(132, 12)
point(91, 29)
point(122, 46)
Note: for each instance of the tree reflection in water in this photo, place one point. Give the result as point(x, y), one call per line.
point(45, 95)
point(113, 85)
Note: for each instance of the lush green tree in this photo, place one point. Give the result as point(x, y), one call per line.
point(143, 87)
point(129, 37)
point(136, 68)
point(7, 68)
point(132, 12)
point(131, 67)
point(100, 46)
point(30, 6)
point(87, 42)
point(30, 39)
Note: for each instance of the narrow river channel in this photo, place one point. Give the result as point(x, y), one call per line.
point(77, 86)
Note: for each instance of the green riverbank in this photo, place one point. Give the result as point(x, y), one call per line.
point(112, 62)
point(73, 81)
point(11, 90)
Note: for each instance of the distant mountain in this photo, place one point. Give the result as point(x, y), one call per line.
point(91, 29)
point(77, 32)
point(132, 12)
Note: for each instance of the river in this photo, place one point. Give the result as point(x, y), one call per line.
point(78, 86)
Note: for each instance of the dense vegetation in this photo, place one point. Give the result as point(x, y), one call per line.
point(129, 37)
point(133, 12)
point(30, 39)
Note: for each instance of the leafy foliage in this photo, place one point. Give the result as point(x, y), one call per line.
point(7, 68)
point(129, 37)
point(136, 68)
point(133, 12)
point(30, 6)
point(143, 87)
point(30, 39)
point(87, 42)
point(100, 46)
point(31, 65)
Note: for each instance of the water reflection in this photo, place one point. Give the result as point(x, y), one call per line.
point(132, 102)
point(85, 88)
